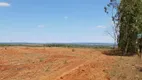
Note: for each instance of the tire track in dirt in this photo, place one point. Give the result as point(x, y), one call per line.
point(90, 70)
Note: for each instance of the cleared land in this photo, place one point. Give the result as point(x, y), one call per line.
point(38, 63)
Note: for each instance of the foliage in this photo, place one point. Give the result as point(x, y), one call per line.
point(112, 9)
point(128, 22)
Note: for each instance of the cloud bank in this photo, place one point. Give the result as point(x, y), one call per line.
point(4, 4)
point(101, 26)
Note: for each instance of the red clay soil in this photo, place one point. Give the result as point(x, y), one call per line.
point(37, 63)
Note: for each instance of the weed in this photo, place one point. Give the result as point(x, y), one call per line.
point(65, 62)
point(73, 50)
point(47, 69)
point(41, 60)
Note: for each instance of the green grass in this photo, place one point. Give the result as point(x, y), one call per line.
point(41, 60)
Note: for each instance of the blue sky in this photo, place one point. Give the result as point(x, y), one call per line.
point(48, 21)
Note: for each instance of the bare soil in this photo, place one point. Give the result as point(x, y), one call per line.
point(38, 63)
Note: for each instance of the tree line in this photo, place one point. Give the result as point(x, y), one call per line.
point(127, 19)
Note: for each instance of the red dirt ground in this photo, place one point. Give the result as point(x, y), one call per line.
point(37, 63)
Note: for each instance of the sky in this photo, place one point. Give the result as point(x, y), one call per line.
point(54, 21)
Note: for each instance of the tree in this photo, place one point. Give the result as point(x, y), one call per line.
point(112, 8)
point(127, 18)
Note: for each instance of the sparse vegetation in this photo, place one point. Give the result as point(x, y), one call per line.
point(73, 50)
point(65, 62)
point(35, 61)
point(125, 69)
point(47, 69)
point(41, 60)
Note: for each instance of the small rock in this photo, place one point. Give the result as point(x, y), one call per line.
point(61, 77)
point(104, 70)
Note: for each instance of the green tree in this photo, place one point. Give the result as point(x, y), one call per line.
point(128, 22)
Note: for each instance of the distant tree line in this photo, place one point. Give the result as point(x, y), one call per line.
point(77, 46)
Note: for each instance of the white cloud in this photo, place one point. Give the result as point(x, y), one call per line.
point(66, 17)
point(4, 4)
point(101, 26)
point(41, 26)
